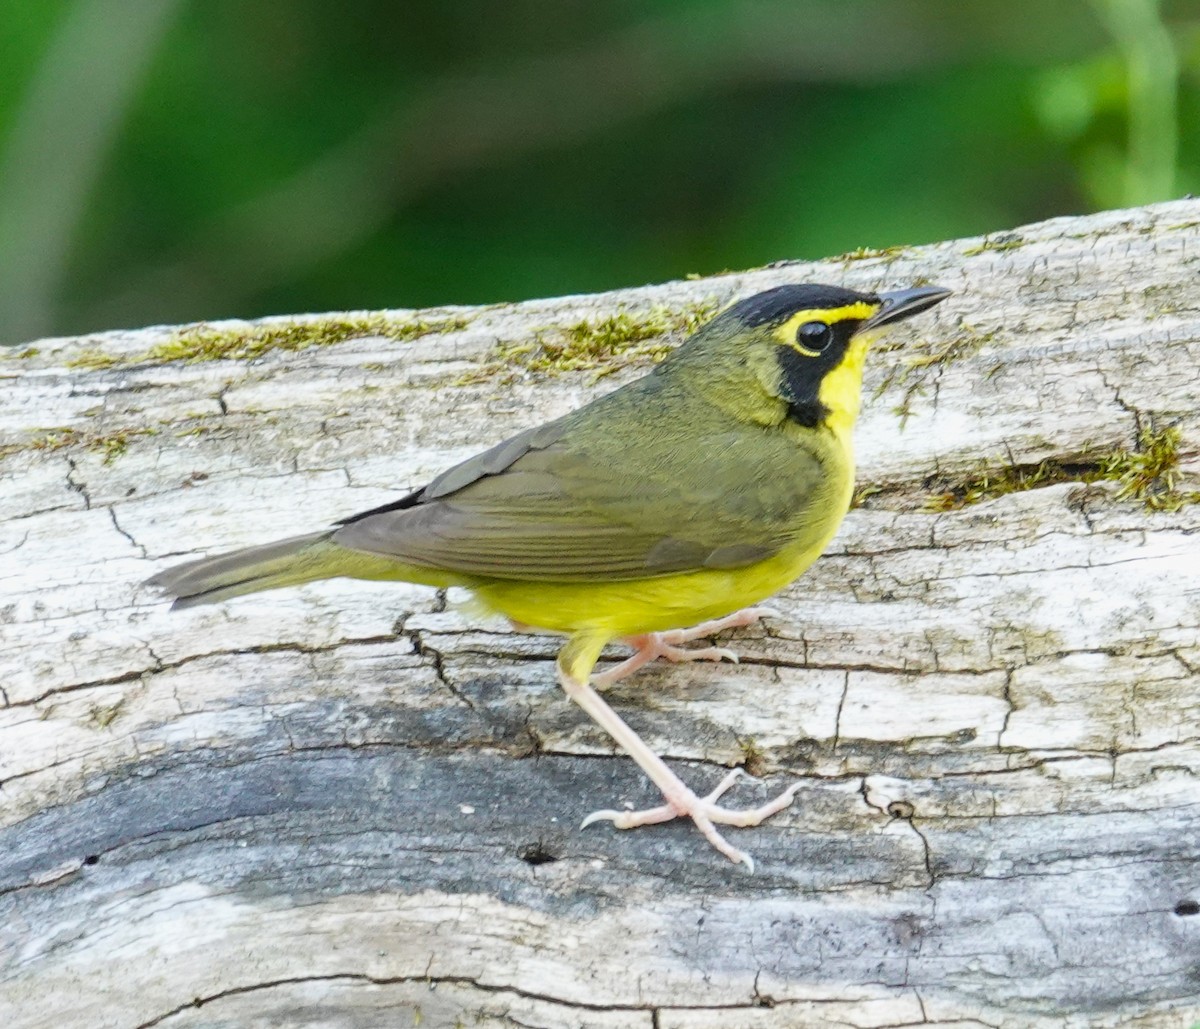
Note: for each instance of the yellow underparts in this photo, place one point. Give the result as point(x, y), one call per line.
point(636, 606)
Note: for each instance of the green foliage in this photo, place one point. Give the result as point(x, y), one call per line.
point(287, 156)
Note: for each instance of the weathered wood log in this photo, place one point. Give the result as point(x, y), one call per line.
point(356, 804)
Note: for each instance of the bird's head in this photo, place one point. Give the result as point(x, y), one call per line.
point(805, 344)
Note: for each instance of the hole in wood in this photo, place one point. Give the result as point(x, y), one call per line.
point(1187, 907)
point(537, 854)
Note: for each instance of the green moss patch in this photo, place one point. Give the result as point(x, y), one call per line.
point(1147, 474)
point(868, 253)
point(604, 345)
point(997, 244)
point(101, 716)
point(92, 358)
point(111, 444)
point(204, 342)
point(244, 343)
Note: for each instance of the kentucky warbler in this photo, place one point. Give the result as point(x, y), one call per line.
point(683, 496)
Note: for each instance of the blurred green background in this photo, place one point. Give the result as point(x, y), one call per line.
point(173, 160)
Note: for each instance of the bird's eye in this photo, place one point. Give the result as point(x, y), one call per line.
point(814, 337)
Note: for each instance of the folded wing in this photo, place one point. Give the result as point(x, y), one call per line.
point(558, 504)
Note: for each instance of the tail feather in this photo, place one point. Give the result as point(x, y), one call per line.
point(286, 562)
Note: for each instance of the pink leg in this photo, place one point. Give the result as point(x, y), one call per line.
point(667, 644)
point(680, 800)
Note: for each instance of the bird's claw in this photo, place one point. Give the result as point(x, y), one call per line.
point(600, 816)
point(765, 611)
point(681, 654)
point(704, 812)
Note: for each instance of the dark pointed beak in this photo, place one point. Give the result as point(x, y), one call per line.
point(903, 303)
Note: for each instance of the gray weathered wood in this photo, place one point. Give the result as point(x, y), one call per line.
point(352, 804)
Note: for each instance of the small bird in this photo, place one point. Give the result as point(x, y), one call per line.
point(683, 498)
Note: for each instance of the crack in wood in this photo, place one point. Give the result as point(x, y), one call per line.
point(1022, 673)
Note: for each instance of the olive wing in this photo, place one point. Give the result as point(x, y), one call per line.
point(558, 504)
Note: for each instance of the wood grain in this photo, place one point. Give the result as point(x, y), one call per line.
point(356, 804)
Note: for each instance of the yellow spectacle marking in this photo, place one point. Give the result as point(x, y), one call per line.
point(786, 333)
point(800, 348)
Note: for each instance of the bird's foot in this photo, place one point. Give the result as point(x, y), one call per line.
point(574, 662)
point(668, 644)
point(681, 802)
